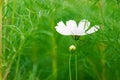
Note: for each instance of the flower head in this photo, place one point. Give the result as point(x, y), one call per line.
point(71, 28)
point(72, 48)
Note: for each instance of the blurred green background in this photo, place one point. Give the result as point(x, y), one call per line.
point(33, 50)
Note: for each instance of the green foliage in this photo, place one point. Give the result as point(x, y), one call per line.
point(32, 47)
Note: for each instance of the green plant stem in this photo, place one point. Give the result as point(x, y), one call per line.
point(101, 6)
point(0, 39)
point(17, 67)
point(103, 73)
point(76, 67)
point(18, 61)
point(13, 13)
point(54, 55)
point(11, 62)
point(17, 53)
point(70, 67)
point(4, 30)
point(103, 68)
point(5, 4)
point(8, 68)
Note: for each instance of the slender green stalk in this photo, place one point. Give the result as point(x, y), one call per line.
point(0, 39)
point(18, 61)
point(17, 53)
point(13, 13)
point(5, 19)
point(70, 67)
point(76, 67)
point(5, 3)
point(9, 67)
point(101, 6)
point(17, 67)
point(54, 65)
point(54, 55)
point(11, 62)
point(103, 69)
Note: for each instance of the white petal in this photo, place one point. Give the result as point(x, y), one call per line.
point(83, 25)
point(61, 24)
point(93, 29)
point(71, 25)
point(62, 29)
point(76, 32)
point(79, 33)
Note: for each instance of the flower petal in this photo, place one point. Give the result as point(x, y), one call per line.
point(80, 33)
point(71, 25)
point(62, 29)
point(61, 24)
point(93, 29)
point(83, 25)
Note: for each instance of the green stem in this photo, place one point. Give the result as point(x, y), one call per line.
point(0, 39)
point(76, 67)
point(18, 61)
point(70, 67)
point(17, 67)
point(4, 30)
point(5, 4)
point(13, 13)
point(101, 6)
point(103, 69)
point(54, 51)
point(12, 60)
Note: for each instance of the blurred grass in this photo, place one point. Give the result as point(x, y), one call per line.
point(33, 50)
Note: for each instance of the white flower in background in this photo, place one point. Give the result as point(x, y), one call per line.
point(71, 28)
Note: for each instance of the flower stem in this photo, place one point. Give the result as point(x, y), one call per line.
point(70, 67)
point(76, 67)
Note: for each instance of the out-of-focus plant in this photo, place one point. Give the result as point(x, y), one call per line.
point(33, 50)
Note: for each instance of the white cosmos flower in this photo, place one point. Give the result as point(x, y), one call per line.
point(71, 28)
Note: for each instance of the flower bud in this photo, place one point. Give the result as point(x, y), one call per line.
point(72, 48)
